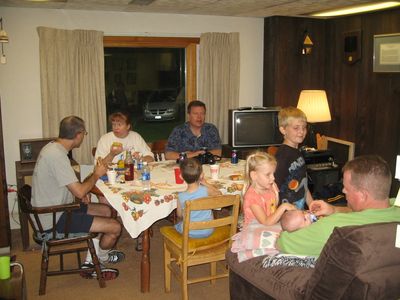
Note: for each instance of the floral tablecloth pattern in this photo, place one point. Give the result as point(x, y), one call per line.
point(139, 209)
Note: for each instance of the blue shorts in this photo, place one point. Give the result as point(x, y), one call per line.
point(80, 220)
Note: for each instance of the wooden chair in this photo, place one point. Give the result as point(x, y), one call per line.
point(62, 244)
point(272, 150)
point(158, 149)
point(185, 252)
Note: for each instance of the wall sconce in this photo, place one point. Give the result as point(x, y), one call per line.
point(314, 103)
point(3, 39)
point(307, 45)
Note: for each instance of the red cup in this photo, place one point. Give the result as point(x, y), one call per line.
point(178, 176)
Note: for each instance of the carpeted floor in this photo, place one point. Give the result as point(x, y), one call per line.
point(126, 286)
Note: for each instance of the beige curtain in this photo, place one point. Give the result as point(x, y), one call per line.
point(219, 77)
point(72, 83)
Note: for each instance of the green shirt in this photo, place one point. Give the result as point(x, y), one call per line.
point(311, 240)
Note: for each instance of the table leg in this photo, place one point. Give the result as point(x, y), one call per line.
point(145, 263)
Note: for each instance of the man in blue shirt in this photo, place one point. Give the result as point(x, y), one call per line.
point(195, 135)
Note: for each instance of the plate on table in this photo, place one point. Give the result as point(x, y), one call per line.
point(236, 177)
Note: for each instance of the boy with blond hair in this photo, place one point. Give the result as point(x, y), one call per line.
point(290, 174)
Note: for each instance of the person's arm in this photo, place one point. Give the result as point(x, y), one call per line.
point(309, 197)
point(273, 218)
point(179, 212)
point(80, 190)
point(211, 190)
point(216, 152)
point(141, 147)
point(213, 140)
point(322, 208)
point(114, 150)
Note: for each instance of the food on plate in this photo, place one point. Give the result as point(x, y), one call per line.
point(117, 144)
point(236, 177)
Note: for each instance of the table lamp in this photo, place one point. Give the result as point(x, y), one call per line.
point(314, 103)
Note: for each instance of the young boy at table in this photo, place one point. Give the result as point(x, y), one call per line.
point(197, 187)
point(290, 174)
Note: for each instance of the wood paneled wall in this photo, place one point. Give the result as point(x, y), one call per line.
point(365, 106)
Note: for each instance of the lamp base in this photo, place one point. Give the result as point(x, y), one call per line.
point(311, 139)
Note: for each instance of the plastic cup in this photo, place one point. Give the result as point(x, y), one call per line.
point(112, 176)
point(5, 267)
point(214, 170)
point(178, 176)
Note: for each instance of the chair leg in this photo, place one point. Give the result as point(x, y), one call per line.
point(184, 284)
point(167, 271)
point(43, 271)
point(213, 271)
point(96, 263)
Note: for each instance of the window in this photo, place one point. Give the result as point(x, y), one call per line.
point(152, 79)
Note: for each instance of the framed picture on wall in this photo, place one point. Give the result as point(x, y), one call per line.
point(386, 53)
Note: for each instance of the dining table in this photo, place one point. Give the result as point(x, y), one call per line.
point(140, 208)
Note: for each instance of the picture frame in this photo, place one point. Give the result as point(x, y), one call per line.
point(386, 57)
point(29, 149)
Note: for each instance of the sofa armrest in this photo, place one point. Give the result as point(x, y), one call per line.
point(361, 262)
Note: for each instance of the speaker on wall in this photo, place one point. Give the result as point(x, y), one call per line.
point(352, 46)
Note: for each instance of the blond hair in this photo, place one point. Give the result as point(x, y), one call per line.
point(288, 113)
point(253, 162)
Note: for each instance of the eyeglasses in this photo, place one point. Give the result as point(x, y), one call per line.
point(84, 132)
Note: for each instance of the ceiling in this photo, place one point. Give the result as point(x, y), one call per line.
point(237, 8)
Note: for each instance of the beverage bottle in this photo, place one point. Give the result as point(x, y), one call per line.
point(234, 157)
point(121, 162)
point(139, 165)
point(146, 176)
point(129, 166)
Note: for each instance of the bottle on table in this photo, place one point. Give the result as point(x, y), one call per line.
point(234, 157)
point(129, 166)
point(146, 176)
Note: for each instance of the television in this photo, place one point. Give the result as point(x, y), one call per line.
point(254, 127)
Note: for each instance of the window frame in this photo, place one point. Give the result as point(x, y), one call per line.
point(190, 45)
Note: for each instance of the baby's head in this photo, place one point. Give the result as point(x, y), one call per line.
point(191, 170)
point(293, 220)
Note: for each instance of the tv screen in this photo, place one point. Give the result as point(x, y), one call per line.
point(254, 128)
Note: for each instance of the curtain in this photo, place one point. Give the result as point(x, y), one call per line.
point(72, 83)
point(219, 77)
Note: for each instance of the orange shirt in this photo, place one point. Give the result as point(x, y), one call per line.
point(268, 201)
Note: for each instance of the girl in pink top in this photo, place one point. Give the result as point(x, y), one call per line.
point(261, 193)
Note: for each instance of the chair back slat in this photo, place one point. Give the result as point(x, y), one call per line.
point(158, 149)
point(217, 202)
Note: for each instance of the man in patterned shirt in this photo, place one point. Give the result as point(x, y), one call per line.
point(195, 135)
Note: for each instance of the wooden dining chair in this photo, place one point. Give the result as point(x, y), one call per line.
point(158, 149)
point(183, 252)
point(56, 244)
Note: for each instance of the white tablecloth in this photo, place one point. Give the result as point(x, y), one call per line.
point(140, 209)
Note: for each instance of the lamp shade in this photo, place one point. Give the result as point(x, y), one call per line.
point(314, 104)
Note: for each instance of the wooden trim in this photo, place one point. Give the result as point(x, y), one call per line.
point(149, 42)
point(191, 72)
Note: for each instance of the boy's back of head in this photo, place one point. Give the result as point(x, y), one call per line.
point(288, 113)
point(191, 170)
